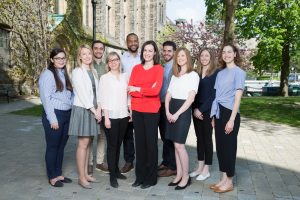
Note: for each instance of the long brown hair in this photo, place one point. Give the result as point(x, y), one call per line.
point(176, 68)
point(237, 59)
point(212, 63)
point(51, 67)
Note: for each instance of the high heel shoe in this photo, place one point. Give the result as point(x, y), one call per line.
point(174, 184)
point(183, 187)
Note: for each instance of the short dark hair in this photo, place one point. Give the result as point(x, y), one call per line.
point(131, 34)
point(170, 43)
point(156, 56)
point(97, 41)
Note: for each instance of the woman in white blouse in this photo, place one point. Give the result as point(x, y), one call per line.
point(181, 94)
point(114, 102)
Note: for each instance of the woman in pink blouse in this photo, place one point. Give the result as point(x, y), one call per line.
point(114, 103)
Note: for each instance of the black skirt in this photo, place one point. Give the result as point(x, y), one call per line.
point(178, 131)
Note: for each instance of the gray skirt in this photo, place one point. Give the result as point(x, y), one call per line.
point(83, 122)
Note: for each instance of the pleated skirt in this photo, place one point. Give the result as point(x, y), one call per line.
point(178, 131)
point(83, 122)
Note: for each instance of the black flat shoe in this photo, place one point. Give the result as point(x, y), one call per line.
point(183, 187)
point(57, 184)
point(145, 186)
point(66, 180)
point(114, 182)
point(174, 184)
point(136, 184)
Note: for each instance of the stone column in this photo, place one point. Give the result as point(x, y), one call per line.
point(119, 21)
point(101, 17)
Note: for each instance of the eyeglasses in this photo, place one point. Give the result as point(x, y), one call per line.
point(114, 60)
point(60, 59)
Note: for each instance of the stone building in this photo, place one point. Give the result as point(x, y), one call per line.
point(116, 18)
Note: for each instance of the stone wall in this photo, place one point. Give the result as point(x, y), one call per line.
point(142, 17)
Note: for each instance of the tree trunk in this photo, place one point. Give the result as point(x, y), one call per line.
point(285, 69)
point(230, 7)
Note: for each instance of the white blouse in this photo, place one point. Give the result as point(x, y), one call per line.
point(181, 86)
point(113, 95)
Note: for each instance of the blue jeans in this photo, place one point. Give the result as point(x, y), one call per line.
point(56, 141)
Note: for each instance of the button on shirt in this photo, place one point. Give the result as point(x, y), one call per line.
point(52, 99)
point(167, 79)
point(228, 81)
point(128, 62)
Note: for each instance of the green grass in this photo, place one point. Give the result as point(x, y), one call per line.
point(33, 111)
point(283, 110)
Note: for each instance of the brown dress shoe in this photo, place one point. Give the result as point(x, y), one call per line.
point(166, 173)
point(126, 168)
point(90, 169)
point(162, 167)
point(102, 167)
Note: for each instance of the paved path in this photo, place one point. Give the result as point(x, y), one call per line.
point(268, 165)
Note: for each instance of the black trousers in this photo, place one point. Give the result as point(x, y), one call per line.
point(128, 144)
point(203, 129)
point(56, 141)
point(226, 144)
point(146, 132)
point(114, 137)
point(168, 154)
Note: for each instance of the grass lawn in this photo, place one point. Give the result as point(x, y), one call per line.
point(272, 109)
point(284, 110)
point(33, 111)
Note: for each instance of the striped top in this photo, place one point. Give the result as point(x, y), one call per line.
point(52, 99)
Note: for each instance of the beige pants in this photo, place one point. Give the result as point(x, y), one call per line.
point(101, 149)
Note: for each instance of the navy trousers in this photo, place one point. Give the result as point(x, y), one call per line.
point(168, 146)
point(56, 141)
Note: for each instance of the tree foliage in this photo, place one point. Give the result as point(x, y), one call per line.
point(198, 36)
point(224, 12)
point(30, 38)
point(276, 25)
point(194, 37)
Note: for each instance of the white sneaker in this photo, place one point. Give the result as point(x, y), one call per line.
point(202, 177)
point(194, 174)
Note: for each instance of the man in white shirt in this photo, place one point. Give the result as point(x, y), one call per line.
point(99, 64)
point(129, 60)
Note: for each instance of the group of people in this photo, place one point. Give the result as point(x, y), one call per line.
point(127, 98)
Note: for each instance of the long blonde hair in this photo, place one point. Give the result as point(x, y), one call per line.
point(79, 62)
point(212, 63)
